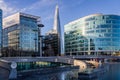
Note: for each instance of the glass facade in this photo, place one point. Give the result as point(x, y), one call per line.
point(51, 44)
point(20, 37)
point(0, 30)
point(93, 34)
point(28, 34)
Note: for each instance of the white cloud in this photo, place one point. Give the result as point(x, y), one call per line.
point(6, 8)
point(50, 16)
point(39, 4)
point(9, 9)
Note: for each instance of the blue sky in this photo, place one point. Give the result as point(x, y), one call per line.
point(69, 9)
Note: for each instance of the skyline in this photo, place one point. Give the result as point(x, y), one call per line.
point(82, 39)
point(45, 9)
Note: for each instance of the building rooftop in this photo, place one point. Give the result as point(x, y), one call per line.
point(24, 14)
point(83, 18)
point(29, 15)
point(15, 19)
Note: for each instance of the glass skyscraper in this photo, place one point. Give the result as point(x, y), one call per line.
point(0, 30)
point(94, 34)
point(20, 35)
point(52, 39)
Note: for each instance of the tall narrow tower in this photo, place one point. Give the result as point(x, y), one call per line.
point(56, 25)
point(57, 29)
point(53, 39)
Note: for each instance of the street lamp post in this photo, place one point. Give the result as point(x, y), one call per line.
point(40, 38)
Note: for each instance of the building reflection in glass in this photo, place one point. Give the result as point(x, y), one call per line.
point(0, 30)
point(20, 35)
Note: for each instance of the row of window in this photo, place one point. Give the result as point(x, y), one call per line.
point(92, 49)
point(115, 17)
point(103, 31)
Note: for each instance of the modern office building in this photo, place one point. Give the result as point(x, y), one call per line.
point(94, 34)
point(0, 30)
point(21, 35)
point(52, 39)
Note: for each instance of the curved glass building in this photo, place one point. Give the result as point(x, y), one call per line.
point(94, 34)
point(0, 30)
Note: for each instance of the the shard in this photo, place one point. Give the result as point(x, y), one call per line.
point(56, 25)
point(53, 37)
point(57, 29)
